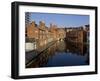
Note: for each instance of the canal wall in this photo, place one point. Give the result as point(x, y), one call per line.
point(31, 55)
point(30, 46)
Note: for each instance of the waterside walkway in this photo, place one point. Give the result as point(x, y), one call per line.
point(30, 56)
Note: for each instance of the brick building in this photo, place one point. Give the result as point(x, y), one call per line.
point(77, 35)
point(42, 35)
point(32, 31)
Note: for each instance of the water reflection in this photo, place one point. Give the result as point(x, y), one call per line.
point(62, 53)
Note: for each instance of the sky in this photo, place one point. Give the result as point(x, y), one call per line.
point(61, 20)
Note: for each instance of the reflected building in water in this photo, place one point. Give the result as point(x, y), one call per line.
point(58, 49)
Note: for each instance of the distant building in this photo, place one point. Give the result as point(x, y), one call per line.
point(76, 35)
point(61, 33)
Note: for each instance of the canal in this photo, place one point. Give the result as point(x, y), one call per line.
point(62, 53)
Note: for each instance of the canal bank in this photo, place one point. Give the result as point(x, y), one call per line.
point(31, 55)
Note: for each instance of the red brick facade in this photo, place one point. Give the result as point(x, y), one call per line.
point(43, 35)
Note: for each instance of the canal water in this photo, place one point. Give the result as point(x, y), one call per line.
point(62, 53)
